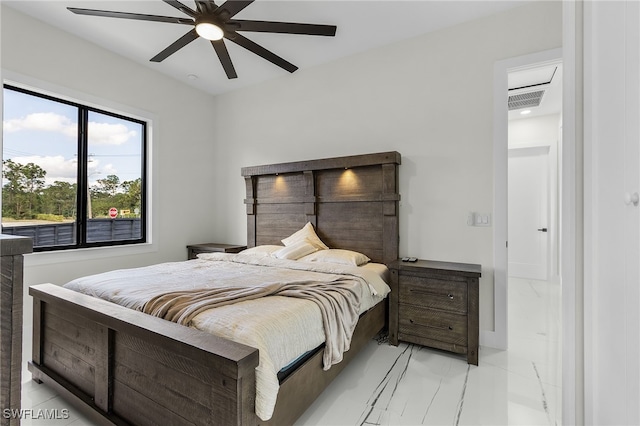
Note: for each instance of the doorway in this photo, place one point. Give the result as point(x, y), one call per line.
point(533, 284)
point(497, 338)
point(534, 139)
point(533, 144)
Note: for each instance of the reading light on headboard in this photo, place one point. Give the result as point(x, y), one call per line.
point(280, 183)
point(349, 178)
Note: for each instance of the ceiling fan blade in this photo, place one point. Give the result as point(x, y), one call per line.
point(181, 7)
point(175, 46)
point(225, 59)
point(233, 7)
point(285, 27)
point(240, 40)
point(205, 6)
point(126, 15)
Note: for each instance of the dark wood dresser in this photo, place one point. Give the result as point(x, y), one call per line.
point(11, 294)
point(435, 304)
point(195, 249)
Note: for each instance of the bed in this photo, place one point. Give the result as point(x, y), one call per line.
point(85, 346)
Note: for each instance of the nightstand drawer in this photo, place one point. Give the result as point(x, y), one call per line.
point(434, 325)
point(433, 293)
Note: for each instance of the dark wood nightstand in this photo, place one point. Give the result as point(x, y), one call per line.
point(194, 249)
point(435, 304)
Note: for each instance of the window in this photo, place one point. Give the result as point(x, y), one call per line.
point(73, 176)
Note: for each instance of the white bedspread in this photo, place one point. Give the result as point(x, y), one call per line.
point(281, 328)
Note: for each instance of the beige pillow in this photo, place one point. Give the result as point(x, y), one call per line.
point(307, 233)
point(343, 257)
point(295, 250)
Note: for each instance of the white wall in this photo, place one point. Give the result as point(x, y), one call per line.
point(182, 143)
point(534, 131)
point(430, 98)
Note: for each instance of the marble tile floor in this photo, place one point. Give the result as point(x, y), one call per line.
point(413, 385)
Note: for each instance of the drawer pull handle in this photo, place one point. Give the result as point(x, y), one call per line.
point(450, 328)
point(430, 293)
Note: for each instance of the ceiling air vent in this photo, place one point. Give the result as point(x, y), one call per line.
point(525, 100)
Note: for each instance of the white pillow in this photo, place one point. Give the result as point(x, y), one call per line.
point(343, 257)
point(307, 233)
point(296, 250)
point(264, 250)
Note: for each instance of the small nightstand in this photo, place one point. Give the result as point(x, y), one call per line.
point(195, 249)
point(435, 304)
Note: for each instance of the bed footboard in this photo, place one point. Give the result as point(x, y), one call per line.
point(131, 368)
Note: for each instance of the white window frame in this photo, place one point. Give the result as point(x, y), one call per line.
point(151, 120)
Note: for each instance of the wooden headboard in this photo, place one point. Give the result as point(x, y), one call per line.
point(351, 201)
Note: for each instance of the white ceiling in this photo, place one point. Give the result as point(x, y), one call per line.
point(362, 25)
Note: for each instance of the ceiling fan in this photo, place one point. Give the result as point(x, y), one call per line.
point(215, 23)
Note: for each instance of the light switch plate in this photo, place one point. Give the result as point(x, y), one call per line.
point(478, 219)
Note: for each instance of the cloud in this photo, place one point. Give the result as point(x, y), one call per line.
point(42, 121)
point(60, 169)
point(109, 134)
point(99, 133)
point(57, 167)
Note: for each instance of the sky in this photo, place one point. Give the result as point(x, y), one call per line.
point(44, 132)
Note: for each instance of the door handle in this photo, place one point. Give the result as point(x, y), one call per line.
point(543, 229)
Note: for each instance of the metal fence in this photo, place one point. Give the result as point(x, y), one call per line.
point(59, 234)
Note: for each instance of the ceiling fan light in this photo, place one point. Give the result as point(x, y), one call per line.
point(209, 31)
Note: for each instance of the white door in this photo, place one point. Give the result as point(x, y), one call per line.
point(528, 212)
point(612, 215)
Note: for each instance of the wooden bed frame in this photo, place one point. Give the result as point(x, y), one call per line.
point(124, 367)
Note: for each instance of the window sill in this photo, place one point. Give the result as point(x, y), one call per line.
point(79, 255)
